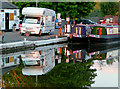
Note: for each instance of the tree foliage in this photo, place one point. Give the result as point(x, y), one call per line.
point(67, 9)
point(109, 8)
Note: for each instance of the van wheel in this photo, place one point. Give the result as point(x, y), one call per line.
point(40, 33)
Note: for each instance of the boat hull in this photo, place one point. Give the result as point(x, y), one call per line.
point(78, 40)
point(103, 38)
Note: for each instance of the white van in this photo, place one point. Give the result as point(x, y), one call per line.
point(38, 20)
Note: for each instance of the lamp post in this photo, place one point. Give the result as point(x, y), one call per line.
point(36, 3)
point(119, 13)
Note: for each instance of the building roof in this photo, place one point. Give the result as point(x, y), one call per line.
point(8, 5)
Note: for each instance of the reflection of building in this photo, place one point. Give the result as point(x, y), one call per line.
point(8, 61)
point(9, 15)
point(38, 62)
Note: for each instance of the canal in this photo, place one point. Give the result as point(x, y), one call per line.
point(61, 65)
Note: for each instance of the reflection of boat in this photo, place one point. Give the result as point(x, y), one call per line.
point(96, 54)
point(94, 47)
point(38, 62)
point(104, 34)
point(77, 55)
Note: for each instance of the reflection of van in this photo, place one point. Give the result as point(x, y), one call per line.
point(38, 20)
point(38, 62)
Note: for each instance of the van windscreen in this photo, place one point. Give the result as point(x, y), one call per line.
point(32, 20)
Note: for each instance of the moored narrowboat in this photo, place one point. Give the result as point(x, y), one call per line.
point(104, 34)
point(78, 34)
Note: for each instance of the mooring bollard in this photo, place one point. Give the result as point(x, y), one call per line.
point(24, 39)
point(56, 36)
point(2, 37)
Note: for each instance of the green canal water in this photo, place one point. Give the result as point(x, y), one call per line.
point(64, 65)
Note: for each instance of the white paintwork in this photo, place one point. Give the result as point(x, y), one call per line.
point(11, 22)
point(68, 29)
point(46, 15)
point(113, 30)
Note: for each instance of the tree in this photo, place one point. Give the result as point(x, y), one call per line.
point(109, 8)
point(67, 9)
point(62, 75)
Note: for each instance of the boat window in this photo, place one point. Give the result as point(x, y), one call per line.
point(98, 30)
point(76, 30)
point(79, 30)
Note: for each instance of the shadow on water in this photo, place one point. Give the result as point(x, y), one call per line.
point(58, 66)
point(94, 47)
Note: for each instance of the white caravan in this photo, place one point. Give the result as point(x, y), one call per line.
point(38, 20)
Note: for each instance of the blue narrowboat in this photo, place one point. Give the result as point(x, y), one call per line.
point(78, 34)
point(104, 34)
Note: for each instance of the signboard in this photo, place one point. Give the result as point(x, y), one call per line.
point(67, 19)
point(11, 16)
point(58, 16)
point(11, 59)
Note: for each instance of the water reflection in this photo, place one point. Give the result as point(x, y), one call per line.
point(38, 62)
point(64, 66)
point(8, 61)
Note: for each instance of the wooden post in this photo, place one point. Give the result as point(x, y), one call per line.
point(60, 31)
point(36, 80)
point(66, 52)
point(67, 60)
point(36, 3)
point(11, 1)
point(66, 28)
point(60, 50)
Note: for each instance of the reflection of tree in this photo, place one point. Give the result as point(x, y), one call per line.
point(63, 75)
point(71, 75)
point(101, 56)
point(110, 61)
